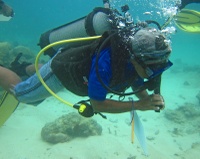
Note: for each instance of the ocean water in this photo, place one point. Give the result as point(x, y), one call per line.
point(32, 18)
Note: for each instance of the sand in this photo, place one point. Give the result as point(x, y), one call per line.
point(20, 136)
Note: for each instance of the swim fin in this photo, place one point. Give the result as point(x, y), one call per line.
point(8, 104)
point(188, 20)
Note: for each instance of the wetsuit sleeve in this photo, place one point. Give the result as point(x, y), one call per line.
point(95, 89)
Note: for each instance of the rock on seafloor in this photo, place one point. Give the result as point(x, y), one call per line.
point(68, 127)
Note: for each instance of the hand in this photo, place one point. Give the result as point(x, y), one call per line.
point(6, 10)
point(152, 102)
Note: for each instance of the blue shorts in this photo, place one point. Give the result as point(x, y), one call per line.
point(32, 90)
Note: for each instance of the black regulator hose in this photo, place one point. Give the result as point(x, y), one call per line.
point(153, 22)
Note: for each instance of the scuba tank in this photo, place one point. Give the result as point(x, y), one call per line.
point(95, 23)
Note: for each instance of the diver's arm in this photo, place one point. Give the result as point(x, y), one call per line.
point(8, 79)
point(111, 106)
point(142, 94)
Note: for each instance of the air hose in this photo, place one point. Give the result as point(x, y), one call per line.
point(83, 108)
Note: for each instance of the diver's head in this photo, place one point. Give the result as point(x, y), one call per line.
point(150, 52)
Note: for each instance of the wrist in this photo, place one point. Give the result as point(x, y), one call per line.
point(136, 105)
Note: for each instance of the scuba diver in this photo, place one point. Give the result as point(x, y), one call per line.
point(127, 55)
point(121, 65)
point(6, 10)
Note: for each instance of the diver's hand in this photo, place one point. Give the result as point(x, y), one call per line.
point(6, 10)
point(152, 102)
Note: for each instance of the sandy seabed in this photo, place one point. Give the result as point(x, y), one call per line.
point(20, 136)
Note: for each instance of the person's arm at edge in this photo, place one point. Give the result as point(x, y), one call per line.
point(112, 106)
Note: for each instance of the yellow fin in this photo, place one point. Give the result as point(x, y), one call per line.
point(188, 20)
point(8, 104)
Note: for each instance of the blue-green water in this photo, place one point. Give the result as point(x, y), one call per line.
point(33, 18)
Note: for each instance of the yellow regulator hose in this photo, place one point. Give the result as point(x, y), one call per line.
point(45, 49)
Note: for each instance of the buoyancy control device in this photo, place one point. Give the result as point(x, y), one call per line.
point(72, 67)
